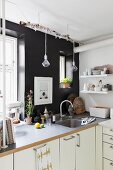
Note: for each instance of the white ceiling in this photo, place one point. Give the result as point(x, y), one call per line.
point(86, 19)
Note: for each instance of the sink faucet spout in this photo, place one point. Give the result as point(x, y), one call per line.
point(61, 114)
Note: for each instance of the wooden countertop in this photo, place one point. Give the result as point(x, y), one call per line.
point(27, 136)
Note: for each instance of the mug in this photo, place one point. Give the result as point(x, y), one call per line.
point(84, 73)
point(89, 71)
point(85, 87)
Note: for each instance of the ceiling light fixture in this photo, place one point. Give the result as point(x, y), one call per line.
point(73, 63)
point(39, 27)
point(46, 30)
point(46, 63)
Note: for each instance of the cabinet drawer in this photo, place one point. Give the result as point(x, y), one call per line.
point(107, 164)
point(108, 151)
point(108, 139)
point(108, 131)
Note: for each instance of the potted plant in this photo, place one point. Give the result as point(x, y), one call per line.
point(66, 82)
point(29, 107)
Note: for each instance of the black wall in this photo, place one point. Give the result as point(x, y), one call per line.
point(34, 52)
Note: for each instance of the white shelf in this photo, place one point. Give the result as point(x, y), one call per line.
point(95, 92)
point(91, 76)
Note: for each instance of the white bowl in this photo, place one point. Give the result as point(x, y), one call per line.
point(104, 89)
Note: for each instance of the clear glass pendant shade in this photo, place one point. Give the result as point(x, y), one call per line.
point(74, 67)
point(46, 63)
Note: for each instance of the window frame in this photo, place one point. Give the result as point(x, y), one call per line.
point(13, 65)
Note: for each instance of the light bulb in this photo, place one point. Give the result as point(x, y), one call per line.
point(74, 66)
point(46, 63)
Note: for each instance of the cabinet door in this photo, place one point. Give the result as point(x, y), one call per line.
point(107, 164)
point(85, 150)
point(24, 159)
point(67, 153)
point(6, 162)
point(99, 147)
point(54, 148)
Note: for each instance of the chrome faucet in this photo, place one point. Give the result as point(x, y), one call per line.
point(61, 115)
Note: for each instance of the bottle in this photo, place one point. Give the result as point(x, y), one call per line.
point(53, 118)
point(45, 111)
point(46, 114)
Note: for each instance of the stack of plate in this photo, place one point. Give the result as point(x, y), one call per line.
point(96, 72)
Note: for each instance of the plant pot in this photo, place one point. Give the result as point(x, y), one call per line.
point(28, 120)
point(66, 85)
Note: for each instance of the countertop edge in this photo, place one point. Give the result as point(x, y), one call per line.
point(107, 123)
point(12, 151)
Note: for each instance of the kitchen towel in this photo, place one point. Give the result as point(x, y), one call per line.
point(43, 158)
point(9, 132)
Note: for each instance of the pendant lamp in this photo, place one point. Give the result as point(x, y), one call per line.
point(73, 63)
point(46, 63)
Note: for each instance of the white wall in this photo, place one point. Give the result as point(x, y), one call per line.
point(90, 59)
point(19, 10)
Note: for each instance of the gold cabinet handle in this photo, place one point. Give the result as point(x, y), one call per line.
point(111, 138)
point(71, 137)
point(111, 130)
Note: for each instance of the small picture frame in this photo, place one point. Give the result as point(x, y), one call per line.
point(43, 88)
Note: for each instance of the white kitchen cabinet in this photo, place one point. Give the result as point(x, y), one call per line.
point(25, 159)
point(6, 162)
point(85, 149)
point(107, 148)
point(67, 153)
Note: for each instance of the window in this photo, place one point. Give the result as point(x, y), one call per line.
point(65, 67)
point(62, 68)
point(11, 70)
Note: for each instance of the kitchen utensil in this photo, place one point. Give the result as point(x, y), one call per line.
point(87, 120)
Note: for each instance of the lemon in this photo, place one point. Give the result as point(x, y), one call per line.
point(37, 125)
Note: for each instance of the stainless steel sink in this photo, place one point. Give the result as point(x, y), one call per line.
point(70, 122)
